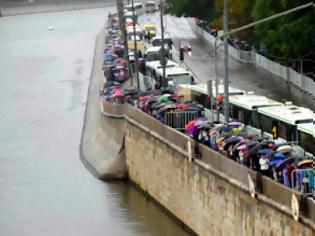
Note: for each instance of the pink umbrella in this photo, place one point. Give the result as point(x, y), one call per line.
point(242, 147)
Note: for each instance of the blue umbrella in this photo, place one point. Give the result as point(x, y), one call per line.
point(264, 151)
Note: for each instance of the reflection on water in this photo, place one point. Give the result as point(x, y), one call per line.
point(45, 190)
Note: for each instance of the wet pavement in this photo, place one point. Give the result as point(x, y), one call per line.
point(242, 75)
point(45, 189)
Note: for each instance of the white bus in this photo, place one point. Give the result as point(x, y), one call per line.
point(199, 92)
point(306, 137)
point(174, 76)
point(244, 107)
point(151, 76)
point(150, 7)
point(282, 121)
point(152, 53)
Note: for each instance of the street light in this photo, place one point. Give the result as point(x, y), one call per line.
point(226, 34)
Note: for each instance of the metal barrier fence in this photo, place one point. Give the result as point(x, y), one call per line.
point(305, 83)
point(178, 120)
point(303, 180)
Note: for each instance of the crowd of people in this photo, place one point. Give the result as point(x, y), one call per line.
point(277, 159)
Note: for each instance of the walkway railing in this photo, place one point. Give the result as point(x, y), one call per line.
point(303, 82)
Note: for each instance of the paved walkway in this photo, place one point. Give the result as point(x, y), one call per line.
point(101, 137)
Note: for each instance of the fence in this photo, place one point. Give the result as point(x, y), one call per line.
point(305, 83)
point(303, 180)
point(178, 120)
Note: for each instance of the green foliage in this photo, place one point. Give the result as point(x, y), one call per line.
point(202, 9)
point(239, 15)
point(289, 36)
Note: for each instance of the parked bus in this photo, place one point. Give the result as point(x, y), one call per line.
point(198, 92)
point(174, 76)
point(306, 137)
point(244, 107)
point(150, 6)
point(157, 41)
point(281, 121)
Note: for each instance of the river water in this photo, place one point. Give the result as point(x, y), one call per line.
point(44, 188)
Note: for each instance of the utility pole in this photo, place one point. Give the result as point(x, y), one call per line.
point(135, 44)
point(121, 17)
point(164, 82)
point(226, 65)
point(227, 33)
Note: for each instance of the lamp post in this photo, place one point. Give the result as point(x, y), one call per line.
point(163, 59)
point(227, 33)
point(135, 44)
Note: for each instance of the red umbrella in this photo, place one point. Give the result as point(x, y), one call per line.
point(181, 106)
point(191, 124)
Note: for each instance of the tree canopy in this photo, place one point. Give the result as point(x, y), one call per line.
point(202, 9)
point(288, 36)
point(291, 36)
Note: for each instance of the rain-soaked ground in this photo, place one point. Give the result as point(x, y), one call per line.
point(242, 75)
point(45, 189)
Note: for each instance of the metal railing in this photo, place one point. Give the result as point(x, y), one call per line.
point(303, 82)
point(178, 120)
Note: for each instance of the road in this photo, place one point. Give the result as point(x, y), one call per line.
point(243, 76)
point(45, 189)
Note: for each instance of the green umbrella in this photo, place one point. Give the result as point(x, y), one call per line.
point(163, 99)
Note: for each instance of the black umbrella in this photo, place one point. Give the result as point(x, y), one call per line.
point(230, 141)
point(285, 162)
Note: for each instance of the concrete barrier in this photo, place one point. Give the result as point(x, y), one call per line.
point(157, 161)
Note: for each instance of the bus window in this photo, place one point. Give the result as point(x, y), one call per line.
point(282, 131)
point(265, 123)
point(254, 119)
point(307, 142)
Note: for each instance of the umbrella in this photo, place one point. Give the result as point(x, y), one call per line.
point(280, 155)
point(230, 141)
point(191, 124)
point(242, 147)
point(264, 152)
point(274, 162)
point(284, 148)
point(181, 106)
point(200, 122)
point(163, 99)
point(285, 162)
point(224, 129)
point(252, 144)
point(234, 123)
point(110, 83)
point(305, 163)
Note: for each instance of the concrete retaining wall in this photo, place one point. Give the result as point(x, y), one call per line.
point(207, 194)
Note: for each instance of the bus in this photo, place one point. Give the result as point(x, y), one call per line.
point(198, 92)
point(306, 137)
point(150, 73)
point(282, 121)
point(150, 7)
point(244, 108)
point(157, 41)
point(152, 53)
point(174, 76)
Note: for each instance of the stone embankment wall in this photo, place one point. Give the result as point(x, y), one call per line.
point(208, 202)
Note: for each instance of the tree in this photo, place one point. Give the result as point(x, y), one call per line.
point(290, 36)
point(239, 15)
point(202, 9)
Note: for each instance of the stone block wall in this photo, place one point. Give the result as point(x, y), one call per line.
point(204, 202)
